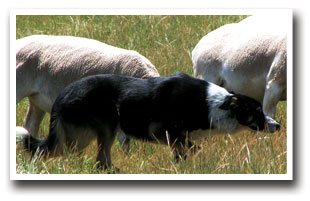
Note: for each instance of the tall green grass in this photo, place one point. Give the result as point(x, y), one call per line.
point(167, 41)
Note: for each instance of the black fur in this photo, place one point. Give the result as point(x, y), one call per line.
point(246, 110)
point(158, 109)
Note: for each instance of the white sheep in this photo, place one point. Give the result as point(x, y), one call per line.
point(47, 64)
point(248, 58)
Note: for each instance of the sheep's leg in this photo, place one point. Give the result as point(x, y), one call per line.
point(271, 98)
point(33, 119)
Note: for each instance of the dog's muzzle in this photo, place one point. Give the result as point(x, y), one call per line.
point(271, 124)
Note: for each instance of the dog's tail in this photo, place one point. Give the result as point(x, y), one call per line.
point(33, 144)
point(50, 145)
point(20, 133)
point(29, 142)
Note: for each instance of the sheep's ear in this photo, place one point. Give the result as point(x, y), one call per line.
point(230, 102)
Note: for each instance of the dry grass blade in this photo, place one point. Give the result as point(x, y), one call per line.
point(167, 41)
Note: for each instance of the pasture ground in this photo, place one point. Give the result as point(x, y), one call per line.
point(167, 41)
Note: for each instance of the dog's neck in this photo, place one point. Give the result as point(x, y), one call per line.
point(221, 120)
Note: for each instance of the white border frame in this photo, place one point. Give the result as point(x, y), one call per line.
point(285, 12)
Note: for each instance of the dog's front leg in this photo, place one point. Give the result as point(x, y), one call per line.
point(178, 145)
point(181, 146)
point(179, 151)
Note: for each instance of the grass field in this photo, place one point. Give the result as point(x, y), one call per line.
point(167, 41)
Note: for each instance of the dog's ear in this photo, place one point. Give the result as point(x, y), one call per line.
point(230, 102)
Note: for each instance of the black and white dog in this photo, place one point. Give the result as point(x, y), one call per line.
point(166, 110)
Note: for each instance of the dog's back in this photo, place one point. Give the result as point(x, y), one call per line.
point(159, 109)
point(95, 106)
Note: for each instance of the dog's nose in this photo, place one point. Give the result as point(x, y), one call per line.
point(271, 124)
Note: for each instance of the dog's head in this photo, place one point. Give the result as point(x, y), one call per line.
point(249, 112)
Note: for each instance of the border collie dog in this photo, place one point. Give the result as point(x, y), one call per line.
point(170, 110)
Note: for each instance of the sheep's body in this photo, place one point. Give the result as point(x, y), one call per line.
point(45, 65)
point(248, 58)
